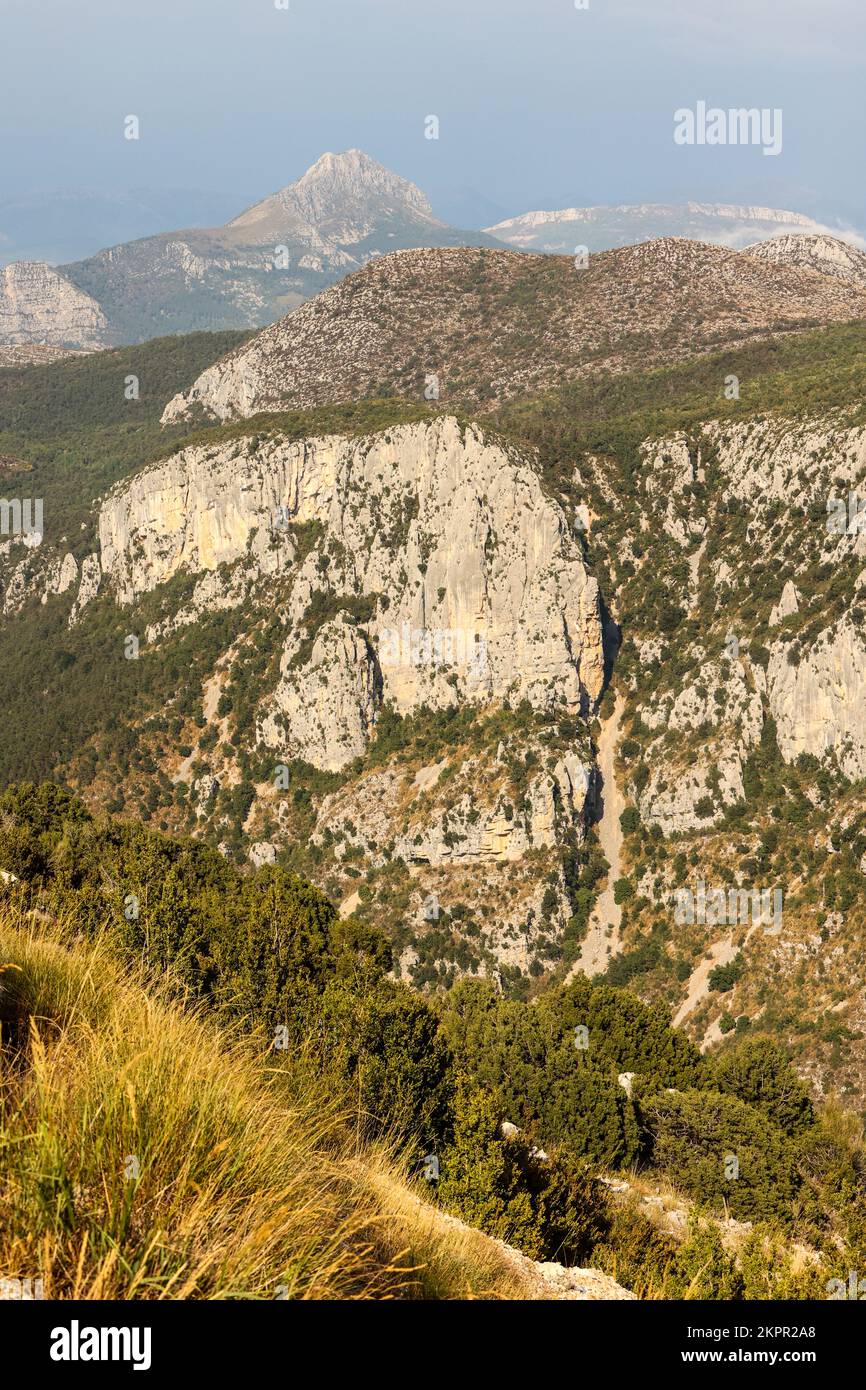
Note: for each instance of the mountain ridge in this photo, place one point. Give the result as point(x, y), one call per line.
point(605, 226)
point(480, 325)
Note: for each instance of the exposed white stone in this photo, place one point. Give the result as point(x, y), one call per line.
point(788, 604)
point(91, 578)
point(324, 711)
point(39, 305)
point(262, 852)
point(819, 704)
point(480, 590)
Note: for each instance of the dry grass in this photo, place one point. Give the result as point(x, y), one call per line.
point(248, 1183)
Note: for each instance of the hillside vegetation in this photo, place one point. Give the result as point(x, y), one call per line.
point(305, 1008)
point(144, 1154)
point(477, 328)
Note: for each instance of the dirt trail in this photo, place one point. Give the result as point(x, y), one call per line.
point(720, 953)
point(602, 937)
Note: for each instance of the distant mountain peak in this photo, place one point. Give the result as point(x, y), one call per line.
point(350, 185)
point(344, 211)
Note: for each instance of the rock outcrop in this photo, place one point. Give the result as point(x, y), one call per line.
point(38, 304)
point(324, 712)
point(811, 251)
point(471, 579)
point(819, 701)
point(556, 803)
point(799, 663)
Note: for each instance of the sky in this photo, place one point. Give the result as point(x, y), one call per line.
point(540, 104)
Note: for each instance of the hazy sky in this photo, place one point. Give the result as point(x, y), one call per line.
point(540, 104)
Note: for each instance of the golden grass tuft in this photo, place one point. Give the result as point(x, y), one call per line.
point(147, 1154)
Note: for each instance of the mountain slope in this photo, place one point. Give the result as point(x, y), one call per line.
point(826, 254)
point(245, 1179)
point(271, 638)
point(345, 210)
point(175, 1032)
point(604, 227)
point(486, 325)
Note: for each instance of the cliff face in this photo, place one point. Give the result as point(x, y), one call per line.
point(737, 563)
point(819, 703)
point(40, 305)
point(760, 550)
point(422, 571)
point(427, 571)
point(469, 576)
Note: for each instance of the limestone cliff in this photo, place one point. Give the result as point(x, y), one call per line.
point(38, 304)
point(471, 579)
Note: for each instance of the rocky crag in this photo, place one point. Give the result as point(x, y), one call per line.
point(41, 306)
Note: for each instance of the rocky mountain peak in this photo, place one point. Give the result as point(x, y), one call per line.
point(338, 188)
point(354, 174)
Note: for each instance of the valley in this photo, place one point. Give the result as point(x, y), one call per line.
point(500, 676)
point(432, 677)
point(602, 936)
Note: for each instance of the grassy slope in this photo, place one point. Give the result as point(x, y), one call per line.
point(250, 1184)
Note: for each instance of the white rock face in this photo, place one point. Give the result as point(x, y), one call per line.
point(34, 577)
point(91, 578)
point(799, 482)
point(739, 704)
point(789, 461)
point(820, 704)
point(262, 852)
point(826, 254)
point(202, 508)
point(39, 305)
point(62, 575)
point(324, 712)
point(788, 604)
point(470, 569)
point(205, 789)
point(671, 799)
point(557, 802)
